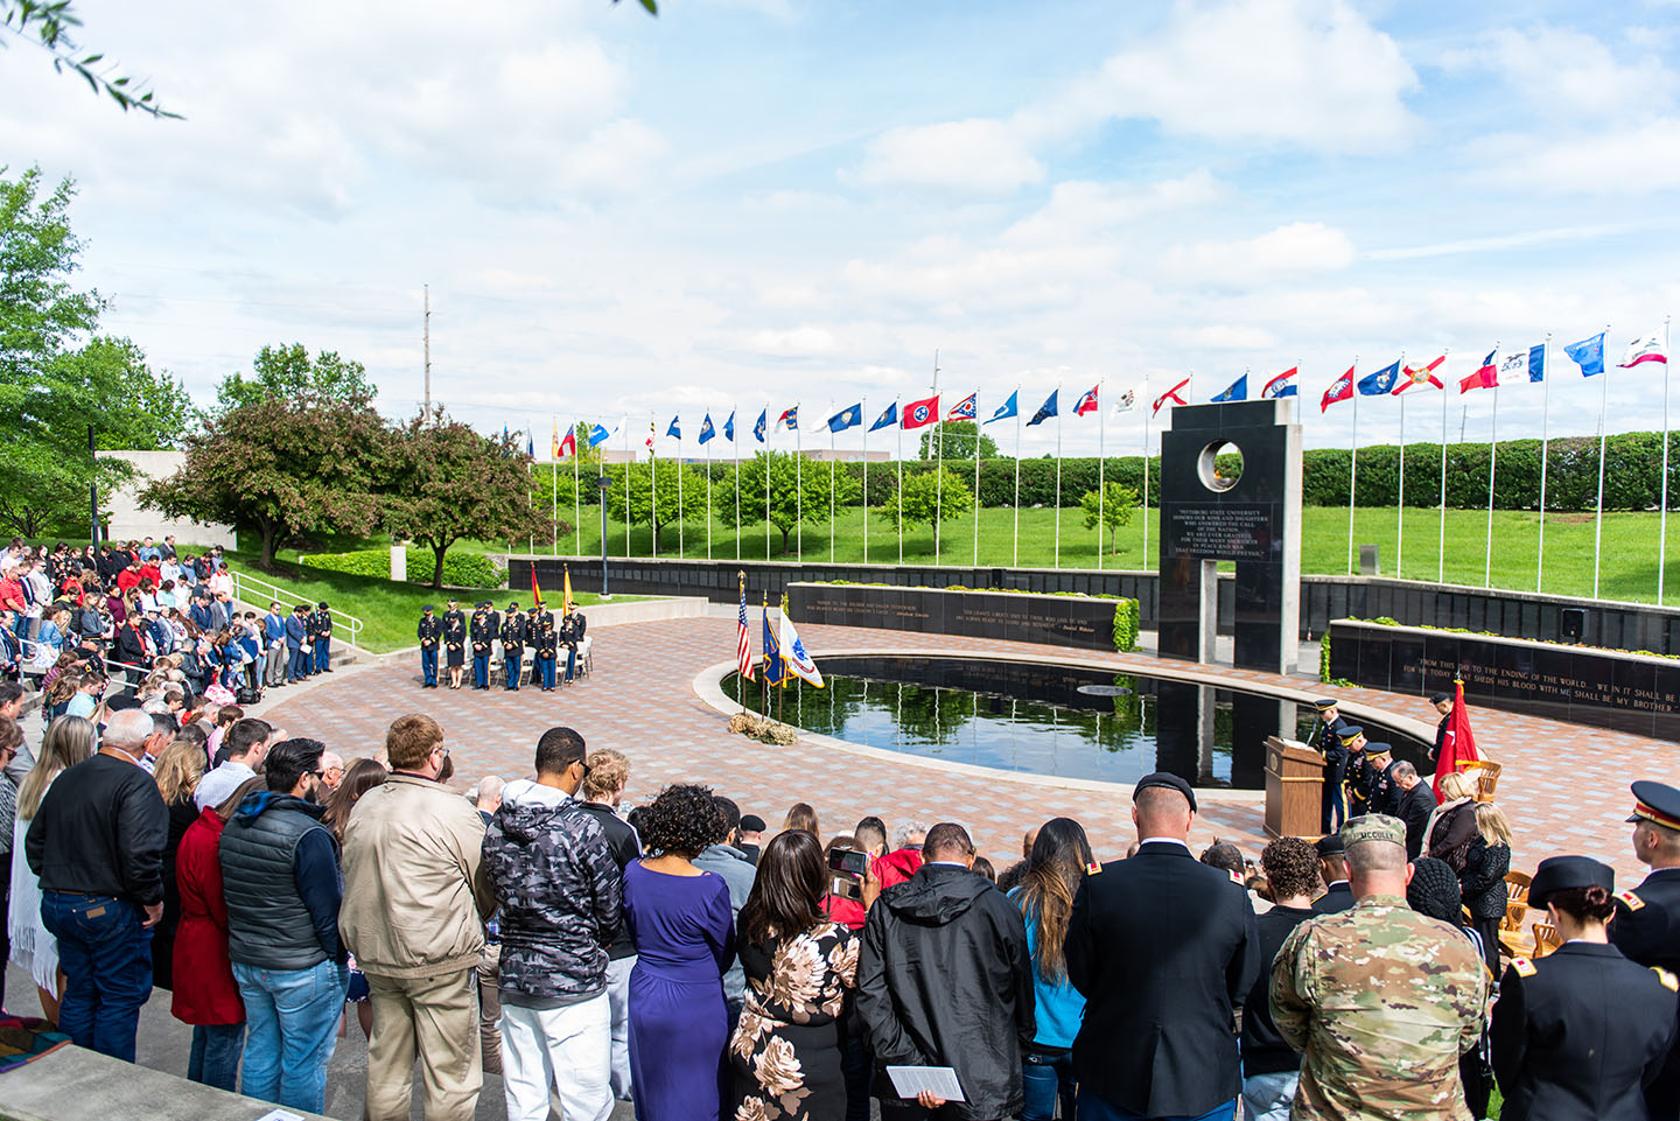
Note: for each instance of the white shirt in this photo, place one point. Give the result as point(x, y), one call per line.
point(218, 786)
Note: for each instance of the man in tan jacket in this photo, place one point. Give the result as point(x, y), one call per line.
point(415, 900)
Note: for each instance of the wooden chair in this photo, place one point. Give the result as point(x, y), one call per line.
point(1516, 899)
point(1486, 774)
point(1545, 939)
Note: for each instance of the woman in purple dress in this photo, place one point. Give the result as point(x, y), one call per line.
point(684, 931)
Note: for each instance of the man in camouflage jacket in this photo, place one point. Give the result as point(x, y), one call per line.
point(560, 895)
point(1380, 999)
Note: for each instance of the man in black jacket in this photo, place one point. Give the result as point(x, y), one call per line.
point(604, 782)
point(1271, 1068)
point(1333, 870)
point(280, 877)
point(944, 979)
point(1165, 950)
point(97, 845)
point(1646, 928)
point(560, 892)
point(1415, 803)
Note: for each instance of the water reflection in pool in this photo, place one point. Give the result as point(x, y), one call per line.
point(1024, 717)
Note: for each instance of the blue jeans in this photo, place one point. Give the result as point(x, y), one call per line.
point(106, 956)
point(428, 665)
point(510, 671)
point(323, 654)
point(293, 1017)
point(214, 1059)
point(1046, 1078)
point(1269, 1097)
point(1093, 1108)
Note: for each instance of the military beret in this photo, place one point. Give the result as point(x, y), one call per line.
point(1350, 733)
point(752, 823)
point(1373, 827)
point(1657, 803)
point(1379, 749)
point(1323, 703)
point(1560, 873)
point(1168, 780)
point(1437, 698)
point(1330, 845)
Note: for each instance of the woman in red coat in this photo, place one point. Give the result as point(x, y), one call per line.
point(206, 995)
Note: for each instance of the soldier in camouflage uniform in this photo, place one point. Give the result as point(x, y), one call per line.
point(1380, 999)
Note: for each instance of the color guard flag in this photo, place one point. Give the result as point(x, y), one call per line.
point(1420, 375)
point(789, 419)
point(1171, 395)
point(1380, 383)
point(1459, 744)
point(775, 672)
point(758, 429)
point(554, 440)
point(966, 409)
point(1008, 409)
point(799, 663)
point(568, 445)
point(920, 413)
point(743, 640)
point(707, 432)
point(729, 427)
point(1588, 354)
point(568, 604)
point(1485, 377)
point(536, 592)
point(888, 418)
point(1340, 390)
point(849, 417)
point(675, 431)
point(1046, 410)
point(1646, 348)
point(1236, 391)
point(1281, 386)
point(1087, 402)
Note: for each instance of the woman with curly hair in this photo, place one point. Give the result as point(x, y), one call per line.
point(683, 928)
point(801, 969)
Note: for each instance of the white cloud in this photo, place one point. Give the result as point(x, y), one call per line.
point(1300, 247)
point(1565, 73)
point(793, 342)
point(1634, 159)
point(1078, 209)
point(976, 155)
point(1228, 336)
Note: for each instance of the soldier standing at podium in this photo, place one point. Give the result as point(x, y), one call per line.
point(1326, 737)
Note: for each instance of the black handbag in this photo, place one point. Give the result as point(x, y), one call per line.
point(246, 695)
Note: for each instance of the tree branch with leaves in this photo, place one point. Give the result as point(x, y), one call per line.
point(51, 25)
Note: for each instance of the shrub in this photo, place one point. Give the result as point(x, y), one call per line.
point(460, 570)
point(1127, 615)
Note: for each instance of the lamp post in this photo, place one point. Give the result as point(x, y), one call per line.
point(602, 482)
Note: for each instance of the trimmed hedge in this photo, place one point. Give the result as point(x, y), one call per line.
point(460, 570)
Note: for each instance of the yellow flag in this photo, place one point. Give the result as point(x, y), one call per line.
point(567, 606)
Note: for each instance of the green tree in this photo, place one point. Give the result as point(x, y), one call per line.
point(1115, 509)
point(959, 441)
point(795, 488)
point(925, 500)
point(444, 481)
point(642, 493)
point(288, 373)
point(51, 389)
point(50, 25)
point(282, 469)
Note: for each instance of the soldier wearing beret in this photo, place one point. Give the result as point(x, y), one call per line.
point(455, 642)
point(1647, 924)
point(1380, 1000)
point(513, 647)
point(428, 632)
point(1578, 1032)
point(482, 632)
point(1165, 950)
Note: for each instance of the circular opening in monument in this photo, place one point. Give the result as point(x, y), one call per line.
point(1220, 465)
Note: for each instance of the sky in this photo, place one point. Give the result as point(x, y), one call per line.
point(751, 202)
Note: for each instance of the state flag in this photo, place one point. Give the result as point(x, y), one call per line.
point(1340, 390)
point(1420, 375)
point(1281, 386)
point(675, 430)
point(789, 419)
point(1588, 354)
point(729, 427)
point(600, 434)
point(707, 432)
point(763, 422)
point(1008, 409)
point(920, 413)
point(1485, 377)
point(1126, 402)
point(1087, 402)
point(888, 418)
point(1646, 348)
point(1381, 382)
point(567, 446)
point(849, 417)
point(1236, 391)
point(1046, 410)
point(966, 409)
point(1171, 395)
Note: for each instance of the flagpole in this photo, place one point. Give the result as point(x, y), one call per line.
point(1400, 507)
point(862, 416)
point(798, 487)
point(708, 447)
point(1353, 463)
point(1101, 477)
point(1493, 468)
point(939, 462)
point(653, 486)
point(1058, 551)
point(1598, 523)
point(577, 495)
point(1545, 447)
point(735, 449)
point(831, 457)
point(1441, 530)
point(1146, 418)
point(530, 485)
point(767, 464)
point(898, 445)
point(1015, 554)
point(681, 554)
point(977, 480)
point(554, 490)
point(629, 458)
point(1662, 519)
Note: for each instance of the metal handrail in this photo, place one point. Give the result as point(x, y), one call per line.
point(244, 583)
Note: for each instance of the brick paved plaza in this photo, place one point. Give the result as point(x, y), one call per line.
point(1565, 787)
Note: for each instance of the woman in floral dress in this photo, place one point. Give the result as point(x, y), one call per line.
point(801, 970)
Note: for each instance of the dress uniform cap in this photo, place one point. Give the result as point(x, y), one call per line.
point(1373, 827)
point(427, 609)
point(1656, 802)
point(1375, 749)
point(322, 605)
point(1323, 703)
point(1350, 733)
point(514, 606)
point(1560, 873)
point(1437, 698)
point(1168, 780)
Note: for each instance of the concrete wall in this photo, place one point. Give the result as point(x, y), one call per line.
point(131, 522)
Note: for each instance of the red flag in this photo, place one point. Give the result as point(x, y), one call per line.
point(918, 413)
point(1340, 390)
point(1420, 375)
point(536, 592)
point(1169, 395)
point(1460, 743)
point(1485, 377)
point(568, 444)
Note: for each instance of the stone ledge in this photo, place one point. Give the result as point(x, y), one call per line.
point(73, 1084)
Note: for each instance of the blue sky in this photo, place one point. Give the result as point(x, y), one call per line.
point(790, 200)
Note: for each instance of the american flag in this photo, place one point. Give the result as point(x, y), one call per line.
point(743, 643)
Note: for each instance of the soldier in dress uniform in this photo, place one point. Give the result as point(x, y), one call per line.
point(455, 643)
point(323, 640)
point(312, 631)
point(1647, 925)
point(1578, 1032)
point(1330, 722)
point(1379, 779)
point(428, 632)
point(1332, 869)
point(482, 632)
point(1338, 769)
point(546, 650)
point(1443, 703)
point(1326, 737)
point(1379, 971)
point(513, 647)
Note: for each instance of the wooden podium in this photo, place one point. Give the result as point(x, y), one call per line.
point(1294, 789)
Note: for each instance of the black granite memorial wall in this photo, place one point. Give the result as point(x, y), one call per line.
point(1605, 688)
point(1086, 624)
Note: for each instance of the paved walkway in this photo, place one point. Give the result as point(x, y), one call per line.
point(1564, 787)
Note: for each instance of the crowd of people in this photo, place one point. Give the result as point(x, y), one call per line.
point(458, 640)
point(79, 624)
point(684, 956)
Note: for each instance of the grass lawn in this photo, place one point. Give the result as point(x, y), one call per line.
point(1629, 565)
